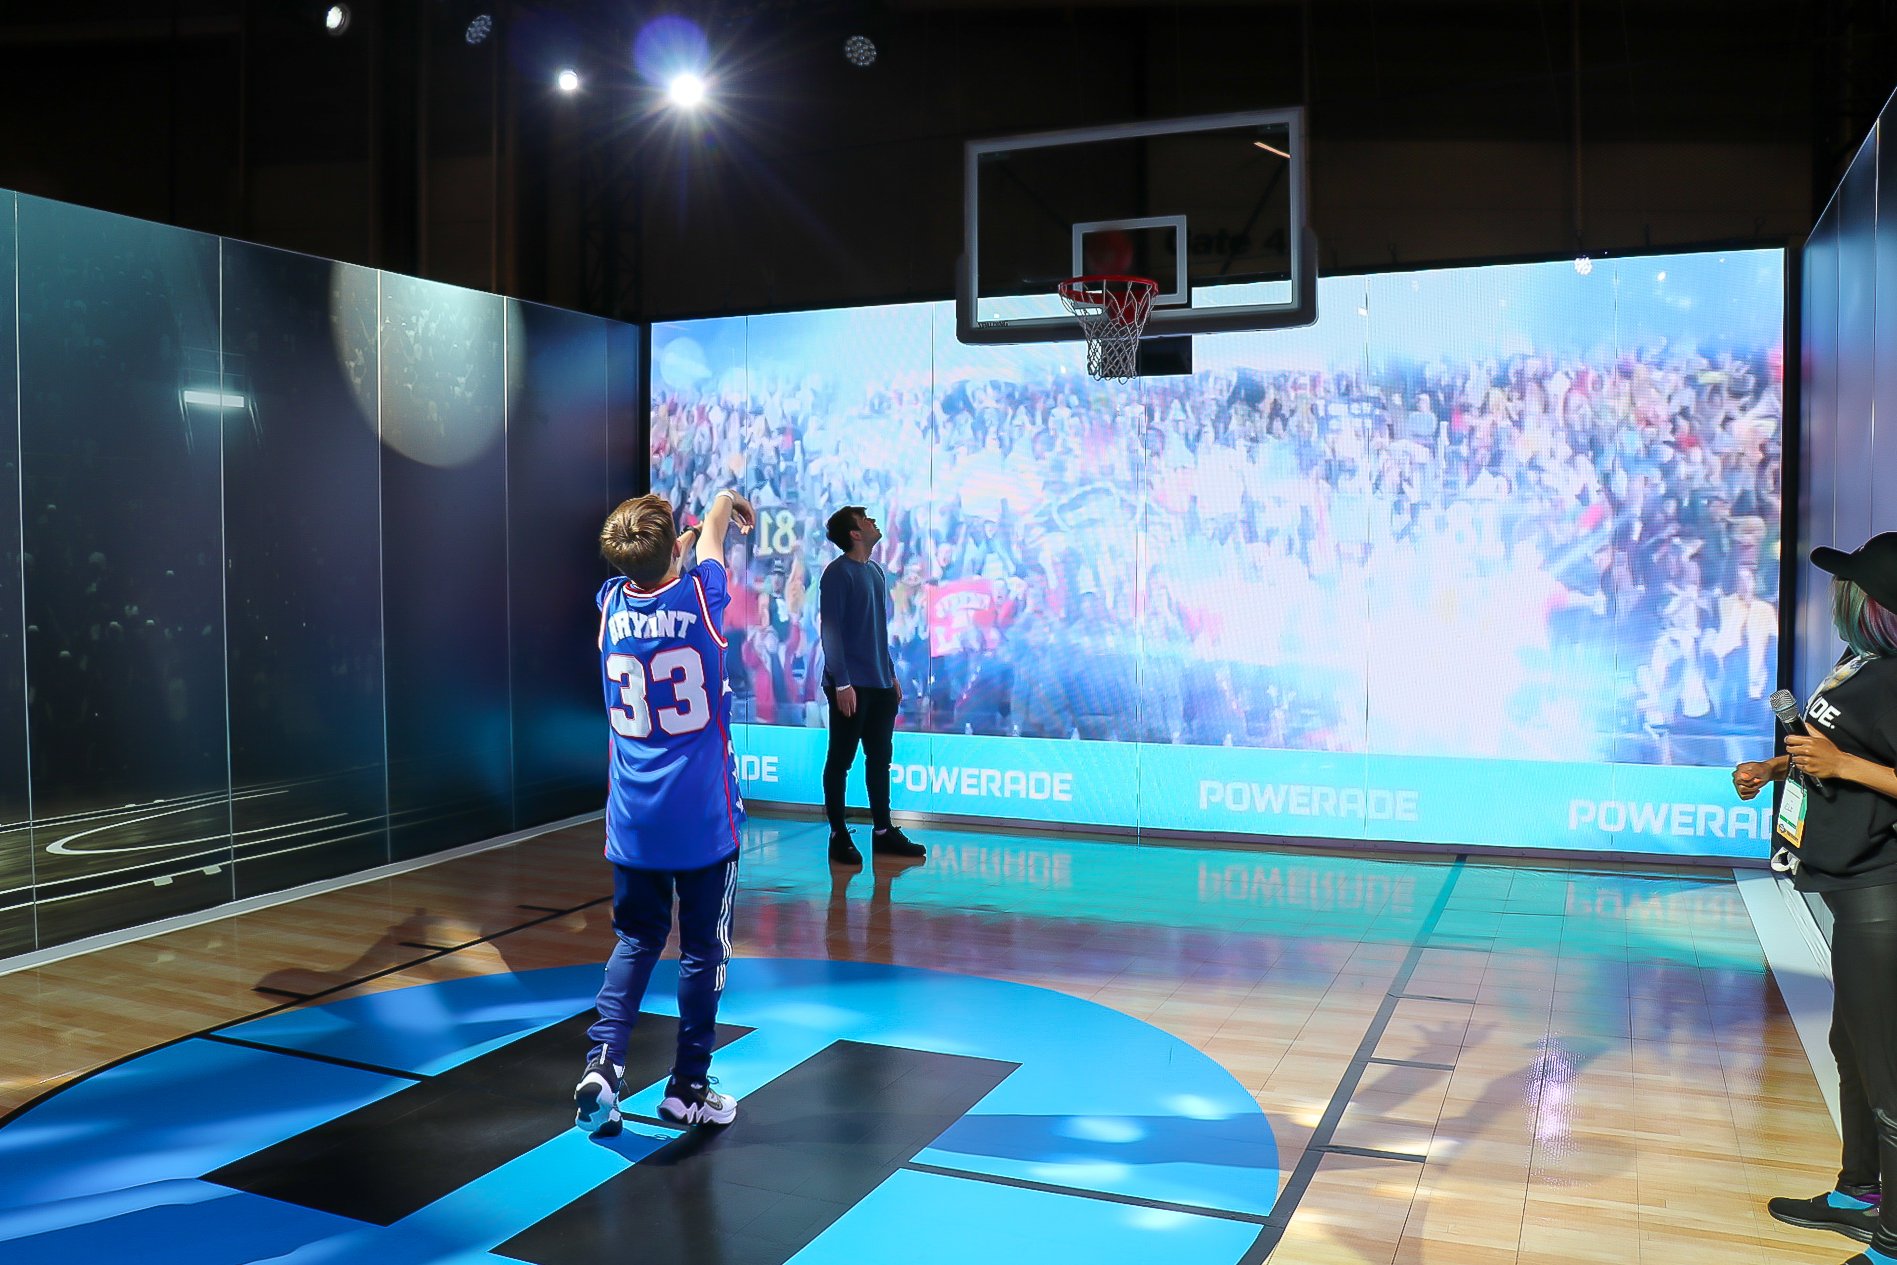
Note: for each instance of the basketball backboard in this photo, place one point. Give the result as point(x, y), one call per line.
point(1212, 208)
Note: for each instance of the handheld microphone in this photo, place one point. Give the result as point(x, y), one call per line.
point(1785, 707)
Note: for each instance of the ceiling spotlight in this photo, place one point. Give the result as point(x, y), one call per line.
point(1583, 265)
point(686, 90)
point(336, 19)
point(859, 50)
point(480, 28)
point(568, 79)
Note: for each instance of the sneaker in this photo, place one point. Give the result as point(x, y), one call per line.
point(696, 1102)
point(1819, 1213)
point(596, 1097)
point(894, 843)
point(843, 849)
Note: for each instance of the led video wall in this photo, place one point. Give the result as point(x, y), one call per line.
point(1487, 556)
point(294, 560)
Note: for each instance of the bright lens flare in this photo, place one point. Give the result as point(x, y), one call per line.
point(569, 80)
point(686, 90)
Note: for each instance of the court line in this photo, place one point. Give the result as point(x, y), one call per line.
point(1429, 1067)
point(333, 1059)
point(1104, 1196)
point(1320, 1145)
point(1372, 1153)
point(8, 1117)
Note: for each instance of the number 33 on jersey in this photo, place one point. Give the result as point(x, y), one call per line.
point(673, 801)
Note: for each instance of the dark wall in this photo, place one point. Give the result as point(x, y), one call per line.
point(444, 563)
point(123, 529)
point(1441, 130)
point(1850, 364)
point(303, 567)
point(281, 517)
point(16, 842)
point(557, 426)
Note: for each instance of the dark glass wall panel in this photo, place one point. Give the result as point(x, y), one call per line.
point(1857, 345)
point(303, 531)
point(118, 339)
point(1883, 451)
point(557, 496)
point(16, 842)
point(1818, 470)
point(444, 565)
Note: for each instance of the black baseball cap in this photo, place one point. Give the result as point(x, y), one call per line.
point(1872, 566)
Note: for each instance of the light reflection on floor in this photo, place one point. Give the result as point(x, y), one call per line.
point(1577, 1063)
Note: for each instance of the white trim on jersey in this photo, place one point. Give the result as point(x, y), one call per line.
point(724, 921)
point(711, 625)
point(634, 591)
point(602, 624)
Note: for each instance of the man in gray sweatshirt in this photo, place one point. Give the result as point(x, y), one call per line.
point(859, 679)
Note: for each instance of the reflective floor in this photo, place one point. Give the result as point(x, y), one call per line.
point(1020, 1049)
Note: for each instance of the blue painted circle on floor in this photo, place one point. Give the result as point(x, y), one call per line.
point(1111, 1142)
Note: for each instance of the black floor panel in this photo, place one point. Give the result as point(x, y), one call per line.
point(399, 1154)
point(804, 1149)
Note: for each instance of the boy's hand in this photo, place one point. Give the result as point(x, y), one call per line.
point(687, 542)
point(741, 513)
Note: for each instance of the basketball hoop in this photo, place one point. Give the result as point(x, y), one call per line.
point(1112, 311)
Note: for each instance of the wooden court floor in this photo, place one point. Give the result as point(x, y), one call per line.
point(1464, 1061)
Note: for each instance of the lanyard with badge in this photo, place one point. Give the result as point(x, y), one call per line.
point(1797, 797)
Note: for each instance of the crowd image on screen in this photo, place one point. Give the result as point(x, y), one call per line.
point(1555, 556)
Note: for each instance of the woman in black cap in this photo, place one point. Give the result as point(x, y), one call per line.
point(1842, 840)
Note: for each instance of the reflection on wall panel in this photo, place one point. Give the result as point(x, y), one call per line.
point(255, 526)
point(118, 347)
point(557, 486)
point(1856, 205)
point(1883, 438)
point(303, 533)
point(444, 567)
point(1818, 496)
point(16, 841)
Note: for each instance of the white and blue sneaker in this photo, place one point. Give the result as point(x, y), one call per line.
point(596, 1097)
point(696, 1102)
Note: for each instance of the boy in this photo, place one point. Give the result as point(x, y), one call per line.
point(672, 807)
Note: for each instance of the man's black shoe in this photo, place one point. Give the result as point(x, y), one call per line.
point(1818, 1213)
point(843, 850)
point(894, 843)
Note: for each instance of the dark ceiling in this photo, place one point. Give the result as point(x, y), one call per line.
point(1440, 129)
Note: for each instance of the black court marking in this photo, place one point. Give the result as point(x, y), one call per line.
point(331, 1059)
point(804, 1150)
point(544, 909)
point(1372, 1153)
point(1460, 1001)
point(1075, 1192)
point(395, 1156)
point(1428, 1067)
point(1299, 1183)
point(432, 948)
point(292, 994)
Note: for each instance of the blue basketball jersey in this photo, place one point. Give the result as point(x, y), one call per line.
point(672, 802)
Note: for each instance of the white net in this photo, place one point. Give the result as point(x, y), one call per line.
point(1112, 312)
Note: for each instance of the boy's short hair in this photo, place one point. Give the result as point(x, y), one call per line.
point(841, 524)
point(638, 538)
